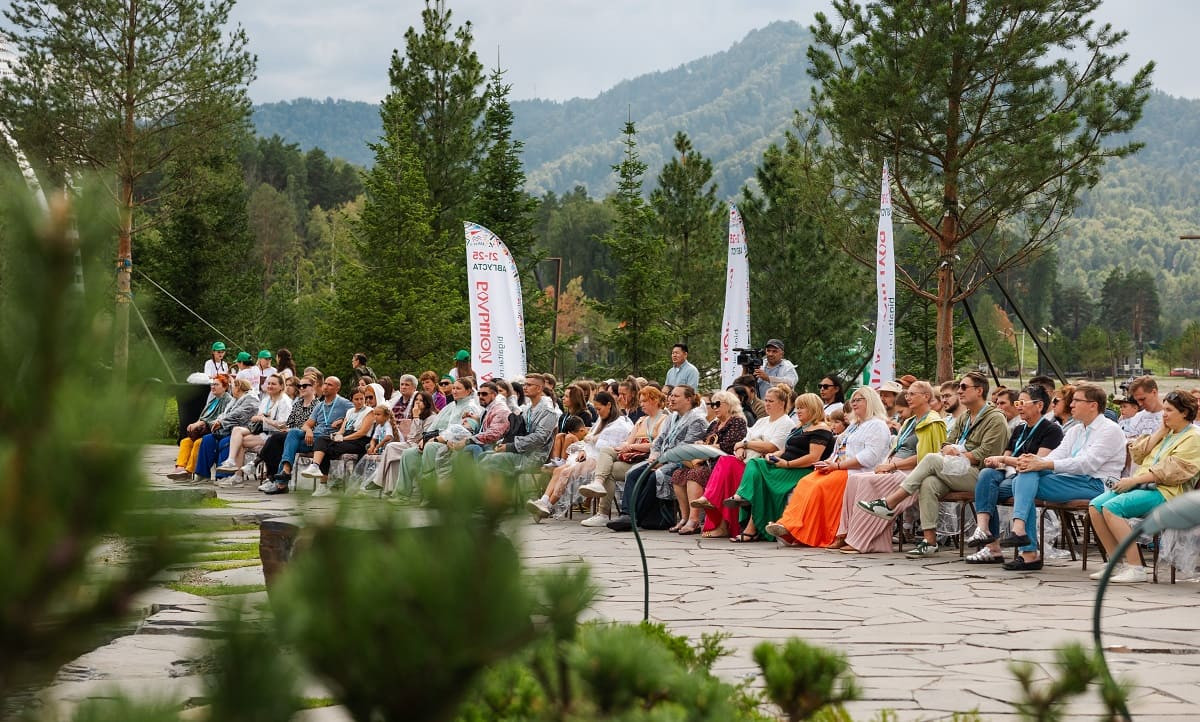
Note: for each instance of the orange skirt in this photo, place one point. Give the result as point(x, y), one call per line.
point(815, 509)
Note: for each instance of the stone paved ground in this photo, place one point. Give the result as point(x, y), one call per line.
point(924, 638)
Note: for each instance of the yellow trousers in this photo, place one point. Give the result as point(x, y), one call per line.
point(189, 452)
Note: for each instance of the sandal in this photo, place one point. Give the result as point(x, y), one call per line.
point(686, 530)
point(838, 544)
point(675, 529)
point(984, 556)
point(745, 538)
point(980, 538)
point(780, 532)
point(1021, 565)
point(702, 503)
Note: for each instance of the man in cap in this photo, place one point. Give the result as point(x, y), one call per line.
point(265, 370)
point(775, 369)
point(888, 391)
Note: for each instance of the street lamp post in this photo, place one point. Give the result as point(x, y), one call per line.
point(554, 329)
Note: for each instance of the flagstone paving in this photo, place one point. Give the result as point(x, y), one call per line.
point(924, 638)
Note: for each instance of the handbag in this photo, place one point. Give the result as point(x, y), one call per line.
point(634, 457)
point(516, 427)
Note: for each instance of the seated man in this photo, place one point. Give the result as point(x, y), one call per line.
point(431, 458)
point(327, 416)
point(982, 431)
point(1091, 451)
point(493, 425)
point(527, 452)
point(686, 425)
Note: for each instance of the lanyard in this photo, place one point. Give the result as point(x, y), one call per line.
point(211, 405)
point(326, 407)
point(1083, 442)
point(651, 424)
point(1025, 436)
point(905, 432)
point(1166, 442)
point(962, 438)
point(840, 450)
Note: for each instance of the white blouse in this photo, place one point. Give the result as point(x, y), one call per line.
point(868, 443)
point(775, 432)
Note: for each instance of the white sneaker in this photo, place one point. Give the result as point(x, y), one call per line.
point(593, 490)
point(1116, 570)
point(321, 490)
point(598, 520)
point(248, 471)
point(312, 471)
point(267, 485)
point(1131, 575)
point(539, 508)
point(228, 465)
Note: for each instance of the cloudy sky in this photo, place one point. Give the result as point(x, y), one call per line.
point(560, 49)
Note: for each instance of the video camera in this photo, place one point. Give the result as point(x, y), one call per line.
point(750, 359)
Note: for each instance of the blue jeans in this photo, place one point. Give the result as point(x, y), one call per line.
point(1048, 486)
point(213, 450)
point(989, 490)
point(292, 445)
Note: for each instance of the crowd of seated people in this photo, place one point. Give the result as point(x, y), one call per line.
point(836, 467)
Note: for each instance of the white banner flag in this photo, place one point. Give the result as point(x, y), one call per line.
point(497, 316)
point(883, 363)
point(735, 328)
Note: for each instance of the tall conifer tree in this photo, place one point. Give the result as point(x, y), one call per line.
point(643, 281)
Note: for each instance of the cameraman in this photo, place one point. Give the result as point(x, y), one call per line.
point(775, 369)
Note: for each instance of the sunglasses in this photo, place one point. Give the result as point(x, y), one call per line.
point(443, 383)
point(826, 386)
point(964, 387)
point(714, 404)
point(305, 386)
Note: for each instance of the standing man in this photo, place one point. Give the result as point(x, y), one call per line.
point(981, 432)
point(775, 369)
point(682, 373)
point(359, 369)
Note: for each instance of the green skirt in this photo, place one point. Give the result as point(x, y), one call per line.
point(766, 487)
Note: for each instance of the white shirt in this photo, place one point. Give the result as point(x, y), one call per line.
point(212, 368)
point(868, 443)
point(276, 411)
point(835, 406)
point(1096, 450)
point(1143, 423)
point(615, 432)
point(775, 432)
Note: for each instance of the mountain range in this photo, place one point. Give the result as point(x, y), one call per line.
point(735, 103)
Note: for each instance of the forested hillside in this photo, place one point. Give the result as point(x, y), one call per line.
point(735, 103)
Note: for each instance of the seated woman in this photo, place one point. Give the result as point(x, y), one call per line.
point(767, 436)
point(1168, 461)
point(302, 407)
point(727, 428)
point(351, 438)
point(388, 468)
point(613, 463)
point(611, 430)
point(768, 480)
point(922, 431)
point(215, 444)
point(1035, 435)
point(814, 512)
point(189, 446)
point(574, 404)
point(273, 410)
point(1060, 406)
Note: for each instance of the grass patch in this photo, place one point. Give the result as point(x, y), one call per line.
point(214, 502)
point(219, 566)
point(316, 702)
point(215, 590)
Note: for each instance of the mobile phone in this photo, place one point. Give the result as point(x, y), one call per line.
point(773, 458)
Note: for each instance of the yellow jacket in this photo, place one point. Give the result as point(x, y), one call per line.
point(931, 433)
point(1177, 465)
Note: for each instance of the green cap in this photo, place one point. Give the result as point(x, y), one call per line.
point(446, 377)
point(243, 357)
point(219, 346)
point(265, 354)
point(462, 355)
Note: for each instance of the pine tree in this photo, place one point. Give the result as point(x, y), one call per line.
point(440, 80)
point(991, 134)
point(394, 300)
point(690, 220)
point(803, 292)
point(503, 207)
point(123, 87)
point(643, 283)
